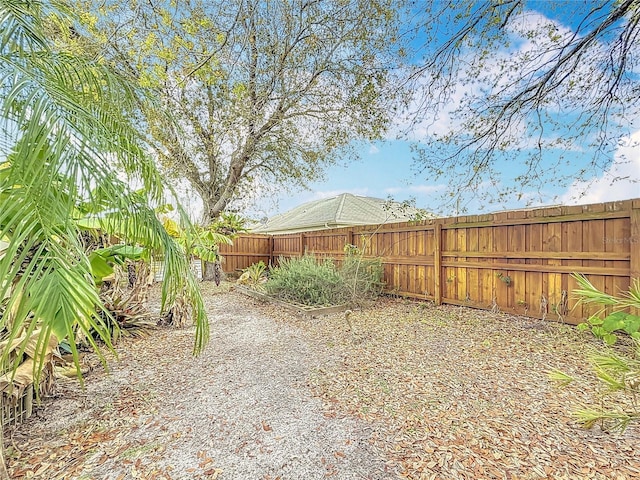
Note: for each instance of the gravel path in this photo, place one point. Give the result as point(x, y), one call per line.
point(242, 410)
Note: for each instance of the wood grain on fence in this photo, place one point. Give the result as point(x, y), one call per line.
point(247, 250)
point(516, 261)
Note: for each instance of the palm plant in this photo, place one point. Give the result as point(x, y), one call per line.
point(617, 371)
point(619, 319)
point(203, 243)
point(66, 141)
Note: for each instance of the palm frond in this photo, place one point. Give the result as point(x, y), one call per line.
point(560, 377)
point(610, 420)
point(65, 132)
point(588, 294)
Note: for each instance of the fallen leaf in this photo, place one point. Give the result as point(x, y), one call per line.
point(213, 473)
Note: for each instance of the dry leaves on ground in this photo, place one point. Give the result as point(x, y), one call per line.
point(464, 394)
point(446, 392)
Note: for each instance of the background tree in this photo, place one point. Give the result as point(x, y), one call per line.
point(253, 93)
point(501, 84)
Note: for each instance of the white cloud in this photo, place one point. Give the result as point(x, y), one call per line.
point(373, 150)
point(620, 182)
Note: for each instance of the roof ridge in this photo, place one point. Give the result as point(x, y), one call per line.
point(340, 206)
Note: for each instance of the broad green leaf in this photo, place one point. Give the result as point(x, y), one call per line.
point(632, 324)
point(89, 223)
point(582, 327)
point(595, 320)
point(100, 267)
point(131, 252)
point(615, 321)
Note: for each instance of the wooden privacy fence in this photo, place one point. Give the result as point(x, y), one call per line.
point(515, 261)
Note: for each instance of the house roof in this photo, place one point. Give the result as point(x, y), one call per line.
point(341, 211)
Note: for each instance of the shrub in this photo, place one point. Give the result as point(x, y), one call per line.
point(363, 277)
point(318, 281)
point(604, 326)
point(254, 275)
point(306, 280)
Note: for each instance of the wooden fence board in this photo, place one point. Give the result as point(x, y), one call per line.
point(461, 260)
point(634, 243)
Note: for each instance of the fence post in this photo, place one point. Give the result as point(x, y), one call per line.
point(301, 244)
point(271, 247)
point(437, 263)
point(634, 244)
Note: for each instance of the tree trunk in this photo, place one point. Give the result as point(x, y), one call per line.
point(212, 271)
point(208, 271)
point(210, 214)
point(211, 209)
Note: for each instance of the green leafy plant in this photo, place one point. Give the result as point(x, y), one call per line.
point(619, 375)
point(617, 370)
point(350, 249)
point(604, 325)
point(363, 276)
point(67, 141)
point(229, 224)
point(254, 275)
point(124, 299)
point(307, 280)
point(103, 260)
point(319, 281)
point(504, 278)
point(203, 243)
point(197, 241)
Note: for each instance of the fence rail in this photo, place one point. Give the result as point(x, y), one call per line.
point(516, 261)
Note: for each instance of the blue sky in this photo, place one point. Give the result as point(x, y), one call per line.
point(387, 168)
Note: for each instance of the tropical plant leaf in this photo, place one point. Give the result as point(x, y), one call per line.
point(65, 135)
point(560, 377)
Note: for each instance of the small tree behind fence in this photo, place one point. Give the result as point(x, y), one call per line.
point(516, 261)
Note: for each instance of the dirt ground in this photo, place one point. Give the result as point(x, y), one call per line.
point(402, 390)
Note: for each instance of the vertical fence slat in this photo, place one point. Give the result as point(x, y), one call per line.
point(634, 243)
point(437, 263)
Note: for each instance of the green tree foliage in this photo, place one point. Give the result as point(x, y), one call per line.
point(498, 82)
point(253, 94)
point(63, 126)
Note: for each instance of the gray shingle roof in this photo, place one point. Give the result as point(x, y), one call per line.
point(341, 211)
